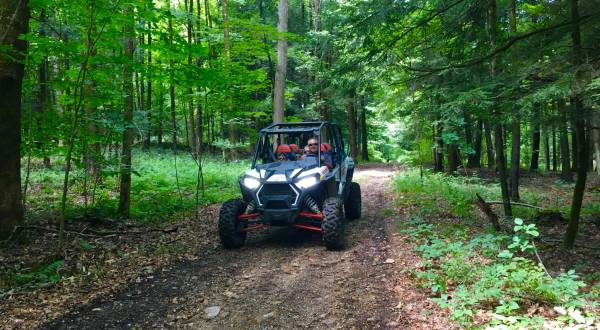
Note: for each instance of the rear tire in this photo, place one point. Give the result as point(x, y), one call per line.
point(353, 204)
point(229, 225)
point(332, 227)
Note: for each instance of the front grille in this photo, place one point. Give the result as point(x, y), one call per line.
point(271, 189)
point(277, 196)
point(276, 204)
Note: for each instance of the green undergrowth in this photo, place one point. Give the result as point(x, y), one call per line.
point(160, 189)
point(483, 277)
point(437, 193)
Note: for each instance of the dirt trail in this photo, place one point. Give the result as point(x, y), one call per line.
point(279, 280)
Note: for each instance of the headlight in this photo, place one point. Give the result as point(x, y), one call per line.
point(250, 183)
point(307, 182)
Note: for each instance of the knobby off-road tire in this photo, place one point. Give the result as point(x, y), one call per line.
point(229, 227)
point(332, 227)
point(353, 204)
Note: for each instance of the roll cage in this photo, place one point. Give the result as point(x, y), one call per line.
point(300, 131)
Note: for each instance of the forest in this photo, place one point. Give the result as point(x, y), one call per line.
point(475, 126)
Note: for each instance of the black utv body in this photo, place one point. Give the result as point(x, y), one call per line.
point(312, 191)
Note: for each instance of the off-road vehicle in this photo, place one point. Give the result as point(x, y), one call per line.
point(308, 188)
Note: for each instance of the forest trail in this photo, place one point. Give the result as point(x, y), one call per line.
point(280, 279)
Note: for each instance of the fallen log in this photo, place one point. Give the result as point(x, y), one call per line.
point(489, 213)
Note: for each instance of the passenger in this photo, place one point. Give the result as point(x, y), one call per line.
point(295, 151)
point(328, 154)
point(283, 151)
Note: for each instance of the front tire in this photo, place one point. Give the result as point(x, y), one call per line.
point(353, 204)
point(229, 225)
point(332, 227)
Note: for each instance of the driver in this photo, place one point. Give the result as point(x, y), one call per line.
point(313, 146)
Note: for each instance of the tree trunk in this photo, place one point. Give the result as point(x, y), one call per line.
point(316, 14)
point(498, 128)
point(565, 173)
point(476, 161)
point(491, 162)
point(14, 25)
point(535, 141)
point(280, 72)
point(44, 94)
point(595, 137)
point(574, 149)
point(199, 112)
point(547, 159)
point(438, 147)
point(515, 152)
point(554, 151)
point(579, 127)
point(172, 91)
point(515, 159)
point(161, 107)
point(125, 185)
point(352, 125)
point(453, 159)
point(469, 138)
point(364, 129)
point(148, 135)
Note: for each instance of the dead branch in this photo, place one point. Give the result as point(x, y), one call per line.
point(87, 232)
point(489, 213)
point(516, 203)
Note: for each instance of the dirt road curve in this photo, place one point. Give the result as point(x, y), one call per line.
point(278, 280)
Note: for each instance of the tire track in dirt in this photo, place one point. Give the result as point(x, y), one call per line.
point(279, 280)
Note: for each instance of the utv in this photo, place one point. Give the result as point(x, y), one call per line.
point(309, 188)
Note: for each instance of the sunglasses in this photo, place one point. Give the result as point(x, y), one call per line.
point(312, 144)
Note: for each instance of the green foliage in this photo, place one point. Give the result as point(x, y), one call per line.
point(454, 196)
point(467, 274)
point(471, 272)
point(39, 276)
point(154, 192)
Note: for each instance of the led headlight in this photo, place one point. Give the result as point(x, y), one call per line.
point(250, 182)
point(307, 182)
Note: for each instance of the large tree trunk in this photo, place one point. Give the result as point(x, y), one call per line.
point(44, 94)
point(316, 14)
point(453, 159)
point(125, 186)
point(352, 125)
point(515, 152)
point(14, 22)
point(364, 129)
point(491, 161)
point(280, 72)
point(579, 127)
point(498, 129)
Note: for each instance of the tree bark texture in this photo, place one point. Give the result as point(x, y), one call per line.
point(352, 125)
point(579, 127)
point(280, 71)
point(129, 48)
point(14, 21)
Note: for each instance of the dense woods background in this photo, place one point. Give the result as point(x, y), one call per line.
point(509, 85)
